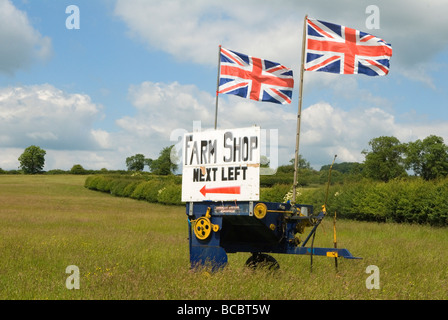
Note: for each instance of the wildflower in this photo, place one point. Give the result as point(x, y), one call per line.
point(289, 195)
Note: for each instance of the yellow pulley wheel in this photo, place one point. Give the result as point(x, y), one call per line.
point(202, 228)
point(260, 210)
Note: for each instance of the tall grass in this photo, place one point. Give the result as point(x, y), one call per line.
point(127, 249)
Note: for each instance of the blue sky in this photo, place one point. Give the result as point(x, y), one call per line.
point(138, 73)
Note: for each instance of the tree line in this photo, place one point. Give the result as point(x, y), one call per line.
point(387, 158)
point(32, 161)
point(163, 165)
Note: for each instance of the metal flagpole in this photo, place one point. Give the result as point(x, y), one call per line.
point(299, 113)
point(335, 242)
point(217, 87)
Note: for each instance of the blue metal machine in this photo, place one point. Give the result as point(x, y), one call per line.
point(259, 228)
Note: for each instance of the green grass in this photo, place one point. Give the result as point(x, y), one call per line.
point(128, 249)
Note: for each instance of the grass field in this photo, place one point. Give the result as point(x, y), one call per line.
point(128, 249)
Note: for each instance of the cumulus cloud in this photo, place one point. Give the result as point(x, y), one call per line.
point(192, 30)
point(22, 44)
point(162, 108)
point(63, 159)
point(328, 130)
point(165, 111)
point(192, 33)
point(63, 124)
point(48, 117)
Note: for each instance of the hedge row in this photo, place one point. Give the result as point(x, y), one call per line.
point(276, 193)
point(305, 177)
point(403, 200)
point(406, 200)
point(161, 189)
point(165, 190)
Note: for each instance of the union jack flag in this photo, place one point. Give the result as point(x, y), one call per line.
point(254, 78)
point(338, 49)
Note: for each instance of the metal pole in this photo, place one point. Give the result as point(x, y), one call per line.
point(217, 87)
point(299, 113)
point(335, 242)
point(328, 184)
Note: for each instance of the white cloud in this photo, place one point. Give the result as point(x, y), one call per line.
point(42, 136)
point(62, 159)
point(62, 124)
point(164, 110)
point(22, 44)
point(192, 31)
point(328, 130)
point(163, 113)
point(102, 138)
point(59, 122)
point(49, 117)
point(8, 158)
point(163, 107)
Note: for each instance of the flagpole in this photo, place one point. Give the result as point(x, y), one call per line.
point(217, 87)
point(299, 113)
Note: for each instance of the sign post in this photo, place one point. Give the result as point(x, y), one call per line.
point(221, 165)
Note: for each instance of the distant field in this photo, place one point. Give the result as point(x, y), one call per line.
point(129, 249)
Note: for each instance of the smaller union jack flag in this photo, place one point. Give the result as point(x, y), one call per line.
point(338, 49)
point(254, 78)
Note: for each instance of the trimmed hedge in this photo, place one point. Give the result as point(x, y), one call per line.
point(170, 194)
point(165, 190)
point(410, 200)
point(276, 193)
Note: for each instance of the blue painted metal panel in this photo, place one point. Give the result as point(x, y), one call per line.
point(239, 230)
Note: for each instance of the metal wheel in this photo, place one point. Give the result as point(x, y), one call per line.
point(202, 228)
point(260, 210)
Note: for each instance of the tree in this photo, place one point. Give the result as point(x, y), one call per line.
point(384, 161)
point(136, 163)
point(165, 164)
point(302, 164)
point(264, 162)
point(32, 160)
point(77, 169)
point(428, 158)
point(344, 167)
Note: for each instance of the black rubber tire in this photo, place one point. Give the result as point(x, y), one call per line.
point(262, 261)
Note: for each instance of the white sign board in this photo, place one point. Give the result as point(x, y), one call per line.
point(221, 165)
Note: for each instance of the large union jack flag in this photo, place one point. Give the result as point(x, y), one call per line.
point(254, 78)
point(338, 49)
